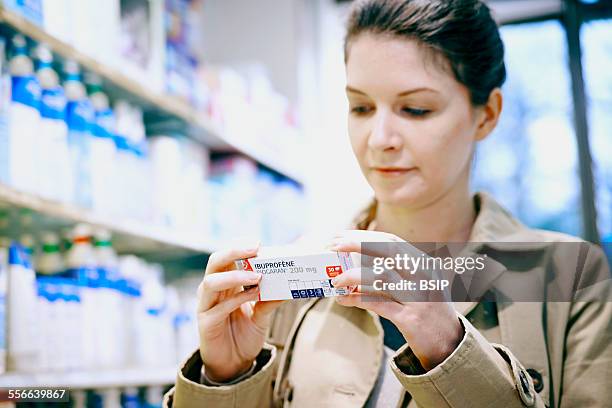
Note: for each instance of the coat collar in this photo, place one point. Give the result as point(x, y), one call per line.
point(494, 226)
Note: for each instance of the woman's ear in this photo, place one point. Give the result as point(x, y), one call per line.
point(490, 113)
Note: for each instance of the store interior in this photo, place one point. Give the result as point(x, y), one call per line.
point(152, 133)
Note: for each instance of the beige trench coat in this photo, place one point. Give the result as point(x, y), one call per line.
point(320, 354)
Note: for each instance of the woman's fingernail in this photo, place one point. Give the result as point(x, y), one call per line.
point(334, 282)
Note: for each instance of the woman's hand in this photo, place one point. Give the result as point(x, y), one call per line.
point(431, 327)
point(232, 325)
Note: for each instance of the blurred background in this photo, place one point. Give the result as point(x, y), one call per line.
point(138, 137)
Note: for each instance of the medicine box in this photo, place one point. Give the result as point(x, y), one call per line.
point(299, 277)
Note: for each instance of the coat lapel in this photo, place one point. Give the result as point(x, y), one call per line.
point(340, 356)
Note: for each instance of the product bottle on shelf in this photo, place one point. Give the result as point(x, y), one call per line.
point(49, 314)
point(81, 268)
point(146, 310)
point(120, 192)
point(79, 118)
point(24, 119)
point(166, 169)
point(109, 340)
point(103, 150)
point(50, 261)
point(71, 346)
point(132, 336)
point(140, 168)
point(159, 343)
point(56, 178)
point(22, 312)
point(142, 208)
point(126, 141)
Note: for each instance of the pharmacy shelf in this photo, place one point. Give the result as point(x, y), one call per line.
point(204, 129)
point(129, 236)
point(128, 377)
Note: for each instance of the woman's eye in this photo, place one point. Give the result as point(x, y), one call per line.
point(360, 110)
point(416, 112)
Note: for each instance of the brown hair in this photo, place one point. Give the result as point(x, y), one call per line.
point(463, 31)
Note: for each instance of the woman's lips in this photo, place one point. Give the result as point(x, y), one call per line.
point(393, 171)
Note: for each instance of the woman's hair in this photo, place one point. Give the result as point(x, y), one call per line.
point(462, 31)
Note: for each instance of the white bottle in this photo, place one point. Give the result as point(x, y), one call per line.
point(79, 118)
point(155, 329)
point(123, 141)
point(55, 181)
point(109, 322)
point(45, 343)
point(166, 169)
point(73, 321)
point(140, 166)
point(121, 185)
point(81, 266)
point(24, 119)
point(59, 322)
point(129, 267)
point(51, 329)
point(103, 150)
point(22, 311)
point(49, 260)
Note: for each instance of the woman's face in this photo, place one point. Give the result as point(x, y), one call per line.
point(411, 123)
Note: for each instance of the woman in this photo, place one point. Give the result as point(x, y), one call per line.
point(423, 83)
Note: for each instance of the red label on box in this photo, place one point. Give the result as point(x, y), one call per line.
point(246, 265)
point(333, 271)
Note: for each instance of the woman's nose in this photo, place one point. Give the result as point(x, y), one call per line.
point(384, 135)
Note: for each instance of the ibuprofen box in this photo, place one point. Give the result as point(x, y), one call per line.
point(298, 277)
